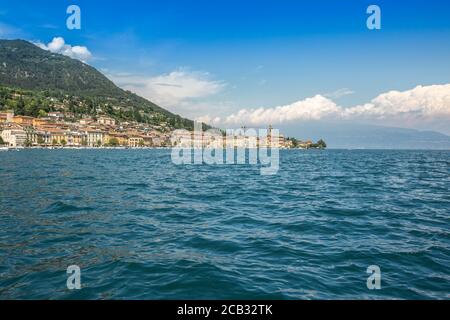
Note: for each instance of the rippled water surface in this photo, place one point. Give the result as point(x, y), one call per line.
point(142, 228)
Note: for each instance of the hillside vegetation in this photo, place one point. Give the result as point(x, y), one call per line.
point(34, 81)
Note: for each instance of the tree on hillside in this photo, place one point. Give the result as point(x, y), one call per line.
point(294, 142)
point(20, 107)
point(137, 115)
point(42, 113)
point(321, 144)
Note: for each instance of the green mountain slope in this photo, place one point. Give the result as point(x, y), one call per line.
point(40, 78)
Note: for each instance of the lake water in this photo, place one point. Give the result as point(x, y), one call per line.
point(140, 227)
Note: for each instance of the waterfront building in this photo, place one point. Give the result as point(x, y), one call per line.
point(94, 137)
point(56, 136)
point(75, 138)
point(41, 137)
point(14, 137)
point(148, 141)
point(135, 141)
point(305, 144)
point(121, 138)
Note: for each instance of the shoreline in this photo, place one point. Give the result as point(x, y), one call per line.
point(5, 149)
point(122, 148)
point(77, 148)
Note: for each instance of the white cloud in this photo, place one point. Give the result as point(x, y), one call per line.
point(174, 89)
point(411, 108)
point(422, 102)
point(314, 108)
point(339, 93)
point(58, 45)
point(213, 121)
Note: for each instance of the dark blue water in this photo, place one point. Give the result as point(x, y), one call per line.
point(140, 227)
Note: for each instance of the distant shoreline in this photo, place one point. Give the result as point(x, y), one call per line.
point(169, 148)
point(78, 148)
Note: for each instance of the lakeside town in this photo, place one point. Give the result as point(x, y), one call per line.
point(61, 130)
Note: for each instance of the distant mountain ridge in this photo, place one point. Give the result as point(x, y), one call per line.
point(364, 136)
point(27, 67)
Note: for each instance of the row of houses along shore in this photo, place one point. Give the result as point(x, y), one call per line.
point(53, 131)
point(24, 131)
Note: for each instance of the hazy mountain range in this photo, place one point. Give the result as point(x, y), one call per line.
point(364, 136)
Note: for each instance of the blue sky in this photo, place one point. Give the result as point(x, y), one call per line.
point(216, 58)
